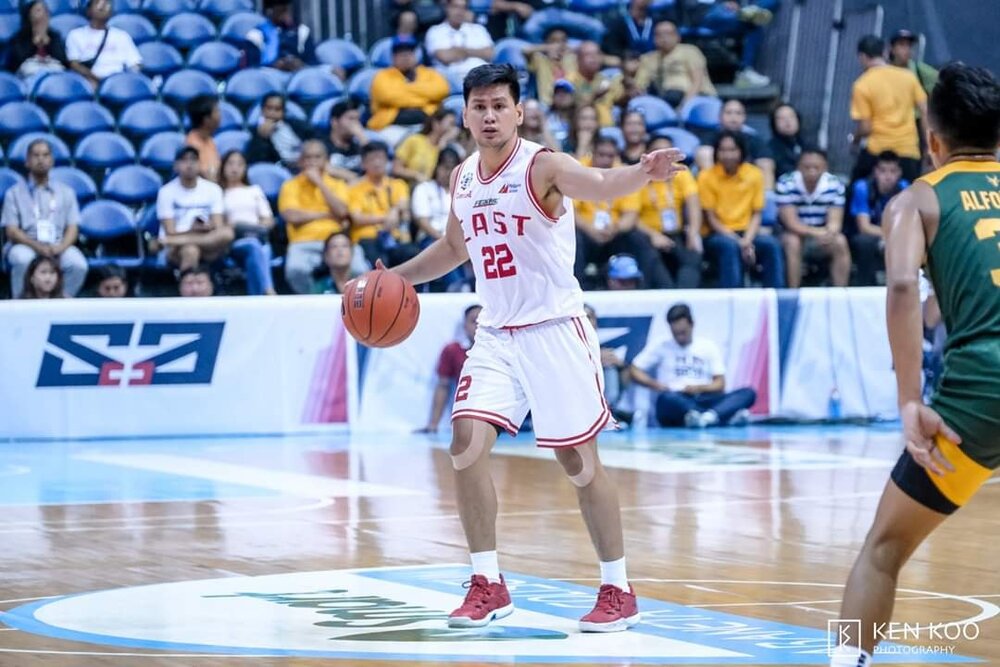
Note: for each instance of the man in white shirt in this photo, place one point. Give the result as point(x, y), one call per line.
point(96, 50)
point(190, 209)
point(690, 378)
point(457, 45)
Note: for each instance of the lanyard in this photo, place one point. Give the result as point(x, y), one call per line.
point(647, 29)
point(668, 200)
point(36, 203)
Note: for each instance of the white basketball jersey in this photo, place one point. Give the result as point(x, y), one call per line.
point(523, 258)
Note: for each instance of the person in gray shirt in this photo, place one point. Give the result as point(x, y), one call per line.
point(41, 217)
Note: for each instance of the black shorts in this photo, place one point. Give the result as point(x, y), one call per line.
point(941, 493)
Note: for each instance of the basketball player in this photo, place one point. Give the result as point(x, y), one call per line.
point(950, 218)
point(512, 215)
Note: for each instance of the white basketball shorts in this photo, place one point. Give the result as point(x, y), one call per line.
point(552, 369)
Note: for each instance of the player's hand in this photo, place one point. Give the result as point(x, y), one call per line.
point(921, 425)
point(662, 164)
point(379, 266)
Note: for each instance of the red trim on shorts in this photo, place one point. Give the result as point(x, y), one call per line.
point(531, 193)
point(510, 158)
point(486, 416)
point(518, 327)
point(577, 440)
point(578, 323)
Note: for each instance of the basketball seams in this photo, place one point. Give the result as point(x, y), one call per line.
point(399, 309)
point(371, 304)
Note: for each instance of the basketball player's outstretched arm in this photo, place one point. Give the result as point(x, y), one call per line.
point(562, 172)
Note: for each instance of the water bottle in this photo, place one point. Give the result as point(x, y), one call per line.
point(833, 407)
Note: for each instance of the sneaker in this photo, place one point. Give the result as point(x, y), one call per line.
point(751, 78)
point(484, 602)
point(741, 418)
point(708, 418)
point(692, 419)
point(756, 15)
point(615, 611)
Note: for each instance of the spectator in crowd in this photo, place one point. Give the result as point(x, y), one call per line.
point(786, 139)
point(583, 132)
point(426, 13)
point(112, 282)
point(282, 42)
point(405, 94)
point(869, 199)
point(36, 48)
point(379, 207)
point(884, 102)
point(405, 24)
point(623, 273)
point(313, 205)
point(732, 197)
point(249, 215)
point(205, 119)
point(417, 154)
point(196, 281)
point(616, 375)
point(689, 377)
point(592, 85)
point(674, 71)
point(636, 136)
point(730, 18)
point(41, 217)
point(733, 118)
point(338, 255)
point(560, 115)
point(630, 32)
point(535, 126)
point(605, 228)
point(458, 44)
point(346, 138)
point(191, 211)
point(43, 280)
point(631, 89)
point(550, 61)
point(449, 368)
point(811, 209)
point(507, 16)
point(431, 201)
point(277, 137)
point(901, 55)
point(97, 50)
point(670, 215)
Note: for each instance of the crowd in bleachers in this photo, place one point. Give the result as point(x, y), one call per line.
point(176, 141)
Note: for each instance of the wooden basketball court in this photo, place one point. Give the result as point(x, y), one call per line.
point(232, 552)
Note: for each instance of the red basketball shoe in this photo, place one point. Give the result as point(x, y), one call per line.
point(484, 602)
point(615, 611)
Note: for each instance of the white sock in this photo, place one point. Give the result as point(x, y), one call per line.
point(486, 564)
point(613, 572)
point(850, 656)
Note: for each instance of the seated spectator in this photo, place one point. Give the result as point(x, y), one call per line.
point(250, 217)
point(205, 119)
point(560, 115)
point(786, 141)
point(96, 50)
point(36, 48)
point(507, 16)
point(689, 377)
point(191, 211)
point(811, 209)
point(868, 201)
point(732, 197)
point(449, 368)
point(42, 280)
point(404, 94)
point(550, 61)
point(670, 215)
point(196, 281)
point(674, 71)
point(380, 209)
point(347, 136)
point(592, 86)
point(733, 118)
point(425, 13)
point(282, 42)
point(313, 205)
point(535, 126)
point(41, 217)
point(630, 32)
point(405, 24)
point(901, 55)
point(277, 138)
point(583, 132)
point(623, 273)
point(616, 376)
point(417, 154)
point(431, 202)
point(112, 282)
point(729, 18)
point(338, 255)
point(605, 228)
point(636, 136)
point(457, 44)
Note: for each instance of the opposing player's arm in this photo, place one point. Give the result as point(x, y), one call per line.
point(562, 172)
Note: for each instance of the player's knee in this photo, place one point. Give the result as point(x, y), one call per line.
point(579, 463)
point(465, 448)
point(887, 552)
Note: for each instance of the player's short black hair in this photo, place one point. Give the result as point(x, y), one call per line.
point(811, 149)
point(872, 46)
point(201, 108)
point(964, 107)
point(374, 147)
point(678, 312)
point(492, 75)
point(737, 138)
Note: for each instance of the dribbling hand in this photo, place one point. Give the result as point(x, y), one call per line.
point(662, 164)
point(921, 425)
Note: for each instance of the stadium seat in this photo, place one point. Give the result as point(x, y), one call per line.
point(218, 10)
point(18, 151)
point(159, 150)
point(231, 117)
point(455, 103)
point(16, 118)
point(341, 53)
point(8, 179)
point(103, 150)
point(269, 177)
point(124, 89)
point(292, 110)
point(137, 26)
point(80, 118)
point(160, 59)
point(186, 31)
point(161, 10)
point(576, 25)
point(248, 87)
point(8, 6)
point(144, 119)
point(278, 77)
point(81, 183)
point(63, 23)
point(9, 26)
point(235, 28)
point(683, 140)
point(320, 117)
point(106, 220)
point(380, 53)
point(218, 59)
point(360, 86)
point(57, 89)
point(702, 113)
point(511, 52)
point(126, 6)
point(455, 81)
point(593, 7)
point(657, 113)
point(132, 185)
point(185, 85)
point(57, 7)
point(310, 86)
point(613, 132)
point(231, 140)
point(12, 89)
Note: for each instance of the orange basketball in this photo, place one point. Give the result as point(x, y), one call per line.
point(380, 308)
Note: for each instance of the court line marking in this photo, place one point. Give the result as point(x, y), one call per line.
point(131, 655)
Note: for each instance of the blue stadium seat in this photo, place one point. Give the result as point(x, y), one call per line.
point(12, 89)
point(269, 177)
point(182, 86)
point(248, 87)
point(360, 86)
point(137, 26)
point(320, 117)
point(160, 59)
point(16, 118)
point(683, 140)
point(292, 110)
point(186, 31)
point(159, 150)
point(8, 6)
point(125, 88)
point(132, 185)
point(103, 150)
point(613, 132)
point(106, 220)
point(218, 59)
point(146, 118)
point(277, 77)
point(57, 89)
point(312, 85)
point(126, 6)
point(80, 182)
point(593, 7)
point(657, 113)
point(231, 140)
point(231, 117)
point(63, 23)
point(235, 28)
point(480, 7)
point(218, 10)
point(380, 53)
point(455, 103)
point(341, 53)
point(510, 51)
point(702, 113)
point(8, 179)
point(57, 7)
point(160, 10)
point(80, 118)
point(18, 151)
point(148, 223)
point(9, 25)
point(576, 25)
